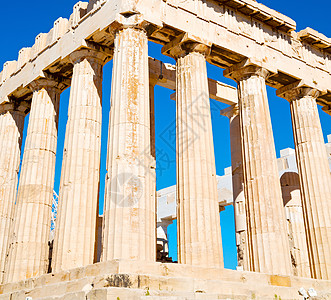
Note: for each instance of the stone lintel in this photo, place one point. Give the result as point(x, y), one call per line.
point(220, 92)
point(185, 44)
point(298, 90)
point(249, 67)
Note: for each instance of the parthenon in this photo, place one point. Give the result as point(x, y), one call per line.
point(252, 44)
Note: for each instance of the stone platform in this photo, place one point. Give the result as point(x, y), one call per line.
point(121, 280)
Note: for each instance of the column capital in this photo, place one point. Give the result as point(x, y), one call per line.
point(297, 90)
point(14, 105)
point(97, 55)
point(247, 68)
point(231, 111)
point(48, 83)
point(128, 19)
point(185, 44)
point(153, 79)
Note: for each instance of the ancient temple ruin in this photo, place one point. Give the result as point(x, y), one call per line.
point(253, 45)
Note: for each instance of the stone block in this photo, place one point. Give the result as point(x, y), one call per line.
point(287, 152)
point(280, 280)
point(9, 68)
point(53, 278)
point(40, 44)
point(78, 285)
point(24, 56)
point(79, 10)
point(74, 296)
point(61, 26)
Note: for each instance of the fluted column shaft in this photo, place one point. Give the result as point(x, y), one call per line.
point(238, 186)
point(315, 179)
point(152, 83)
point(295, 224)
point(28, 252)
point(199, 231)
point(75, 231)
point(11, 131)
point(267, 234)
point(129, 212)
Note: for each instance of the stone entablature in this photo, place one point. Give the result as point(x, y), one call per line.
point(237, 30)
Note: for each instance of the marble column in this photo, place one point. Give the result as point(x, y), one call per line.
point(11, 132)
point(28, 250)
point(129, 212)
point(295, 224)
point(75, 233)
point(238, 186)
point(198, 219)
point(266, 224)
point(314, 173)
point(152, 83)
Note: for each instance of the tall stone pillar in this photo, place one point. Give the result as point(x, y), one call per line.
point(129, 212)
point(198, 219)
point(266, 227)
point(75, 232)
point(28, 252)
point(314, 173)
point(11, 132)
point(295, 224)
point(238, 186)
point(152, 83)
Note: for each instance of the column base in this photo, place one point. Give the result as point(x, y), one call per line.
point(121, 279)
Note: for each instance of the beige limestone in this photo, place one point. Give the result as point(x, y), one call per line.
point(28, 250)
point(238, 186)
point(199, 231)
point(253, 31)
point(314, 172)
point(11, 131)
point(267, 235)
point(75, 231)
point(233, 33)
point(133, 279)
point(129, 211)
point(295, 224)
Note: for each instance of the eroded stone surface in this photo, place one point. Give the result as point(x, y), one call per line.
point(199, 232)
point(75, 234)
point(129, 211)
point(11, 131)
point(28, 249)
point(267, 235)
point(315, 178)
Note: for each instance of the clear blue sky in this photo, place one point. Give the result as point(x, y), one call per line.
point(21, 21)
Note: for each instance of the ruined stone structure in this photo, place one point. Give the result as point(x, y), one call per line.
point(256, 46)
point(227, 186)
